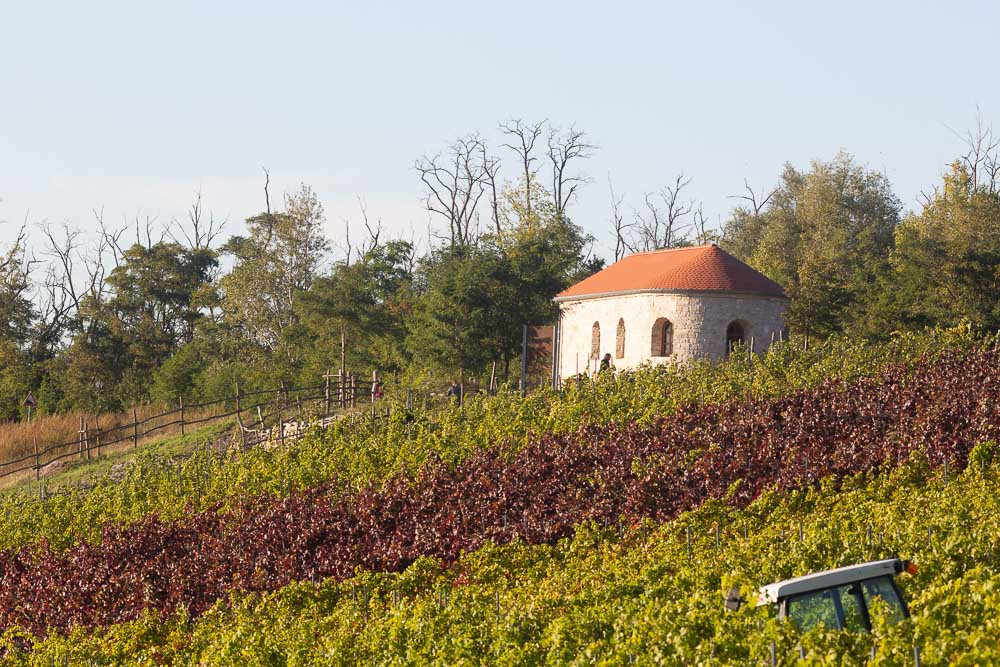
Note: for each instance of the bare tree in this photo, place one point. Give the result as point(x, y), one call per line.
point(523, 137)
point(455, 182)
point(267, 195)
point(198, 233)
point(662, 223)
point(618, 222)
point(703, 234)
point(980, 158)
point(491, 170)
point(564, 148)
point(373, 232)
point(77, 280)
point(756, 201)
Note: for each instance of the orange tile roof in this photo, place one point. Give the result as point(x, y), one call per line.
point(706, 267)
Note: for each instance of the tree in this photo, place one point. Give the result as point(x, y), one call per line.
point(662, 223)
point(464, 316)
point(367, 302)
point(16, 309)
point(946, 263)
point(566, 148)
point(455, 181)
point(522, 137)
point(825, 236)
point(273, 265)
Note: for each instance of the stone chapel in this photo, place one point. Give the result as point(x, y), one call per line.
point(666, 306)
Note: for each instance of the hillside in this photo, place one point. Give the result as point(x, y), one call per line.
point(553, 528)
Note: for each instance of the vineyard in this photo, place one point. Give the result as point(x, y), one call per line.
point(598, 523)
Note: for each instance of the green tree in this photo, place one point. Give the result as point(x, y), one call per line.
point(367, 302)
point(946, 263)
point(465, 315)
point(825, 236)
point(274, 264)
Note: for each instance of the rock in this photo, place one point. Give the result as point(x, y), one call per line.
point(52, 468)
point(117, 472)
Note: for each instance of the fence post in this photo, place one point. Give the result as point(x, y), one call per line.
point(180, 399)
point(374, 383)
point(34, 442)
point(86, 439)
point(341, 393)
point(135, 426)
point(97, 425)
point(326, 392)
point(79, 441)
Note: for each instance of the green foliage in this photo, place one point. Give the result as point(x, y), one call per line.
point(638, 596)
point(354, 454)
point(825, 236)
point(274, 264)
point(946, 262)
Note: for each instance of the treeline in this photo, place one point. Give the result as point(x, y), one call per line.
point(140, 313)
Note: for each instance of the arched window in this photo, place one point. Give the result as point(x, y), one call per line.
point(736, 334)
point(620, 340)
point(595, 341)
point(662, 338)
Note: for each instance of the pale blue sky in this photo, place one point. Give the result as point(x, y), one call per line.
point(132, 106)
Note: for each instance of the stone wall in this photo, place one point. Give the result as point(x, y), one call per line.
point(699, 319)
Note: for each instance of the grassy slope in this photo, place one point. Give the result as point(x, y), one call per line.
point(84, 473)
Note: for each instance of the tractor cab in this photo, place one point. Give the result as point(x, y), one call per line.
point(839, 599)
point(842, 598)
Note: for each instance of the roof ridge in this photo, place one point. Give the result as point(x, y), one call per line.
point(679, 248)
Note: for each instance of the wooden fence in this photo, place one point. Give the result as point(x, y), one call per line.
point(261, 415)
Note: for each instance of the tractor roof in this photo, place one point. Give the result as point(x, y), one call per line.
point(819, 580)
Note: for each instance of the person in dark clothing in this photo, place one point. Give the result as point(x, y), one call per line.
point(606, 364)
point(455, 391)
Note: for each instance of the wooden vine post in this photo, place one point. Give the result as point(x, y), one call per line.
point(135, 426)
point(79, 440)
point(180, 401)
point(341, 390)
point(239, 418)
point(38, 468)
point(86, 439)
point(282, 403)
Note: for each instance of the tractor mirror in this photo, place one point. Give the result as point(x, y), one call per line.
point(733, 599)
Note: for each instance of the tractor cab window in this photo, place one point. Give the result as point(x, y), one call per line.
point(836, 608)
point(882, 589)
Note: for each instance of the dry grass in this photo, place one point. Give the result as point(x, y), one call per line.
point(59, 435)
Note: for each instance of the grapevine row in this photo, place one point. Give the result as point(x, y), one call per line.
point(733, 450)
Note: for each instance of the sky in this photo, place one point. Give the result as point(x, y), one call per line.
point(131, 107)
